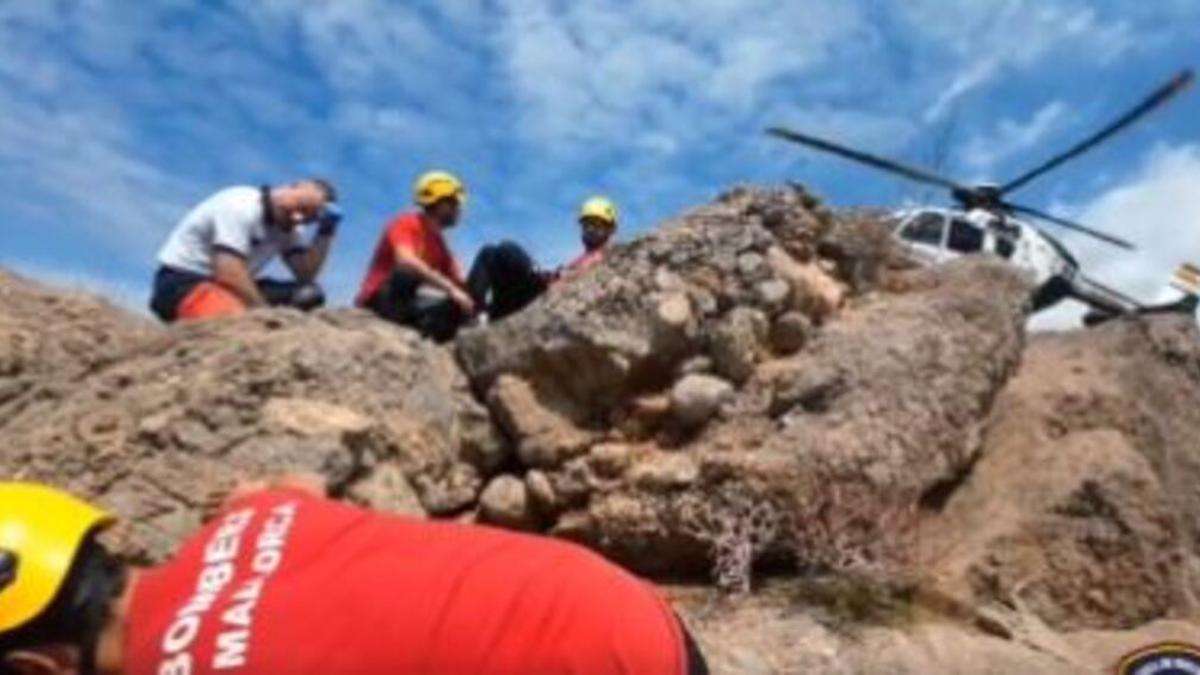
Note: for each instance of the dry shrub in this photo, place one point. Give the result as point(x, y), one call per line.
point(846, 526)
point(837, 528)
point(739, 525)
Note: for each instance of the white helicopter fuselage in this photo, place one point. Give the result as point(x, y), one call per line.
point(937, 235)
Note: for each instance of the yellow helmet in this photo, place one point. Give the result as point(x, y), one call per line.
point(435, 186)
point(601, 208)
point(41, 530)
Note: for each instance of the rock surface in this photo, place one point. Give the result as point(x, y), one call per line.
point(1099, 437)
point(202, 405)
point(872, 462)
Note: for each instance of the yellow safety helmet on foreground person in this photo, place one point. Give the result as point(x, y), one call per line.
point(41, 531)
point(434, 186)
point(600, 208)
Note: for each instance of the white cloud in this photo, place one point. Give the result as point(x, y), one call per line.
point(1158, 208)
point(983, 153)
point(83, 161)
point(982, 39)
point(588, 72)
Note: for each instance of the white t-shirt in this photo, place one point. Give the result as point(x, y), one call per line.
point(232, 220)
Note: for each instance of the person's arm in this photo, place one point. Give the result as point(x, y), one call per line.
point(306, 264)
point(232, 227)
point(230, 270)
point(408, 261)
point(310, 484)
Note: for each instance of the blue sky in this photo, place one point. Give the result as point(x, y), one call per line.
point(115, 117)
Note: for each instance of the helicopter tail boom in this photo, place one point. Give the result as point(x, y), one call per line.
point(1108, 304)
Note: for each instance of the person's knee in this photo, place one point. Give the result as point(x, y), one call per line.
point(308, 297)
point(510, 250)
point(209, 300)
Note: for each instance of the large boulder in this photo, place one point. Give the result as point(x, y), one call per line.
point(888, 396)
point(1083, 508)
point(383, 415)
point(625, 326)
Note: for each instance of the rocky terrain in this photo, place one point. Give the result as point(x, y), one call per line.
point(831, 462)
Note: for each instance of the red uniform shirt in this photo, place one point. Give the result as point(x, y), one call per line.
point(411, 232)
point(584, 261)
point(286, 583)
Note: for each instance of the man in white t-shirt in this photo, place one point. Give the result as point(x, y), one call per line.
point(209, 265)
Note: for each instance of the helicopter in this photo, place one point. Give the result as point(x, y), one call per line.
point(986, 222)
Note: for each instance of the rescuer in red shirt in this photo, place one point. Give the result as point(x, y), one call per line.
point(414, 280)
point(285, 582)
point(505, 280)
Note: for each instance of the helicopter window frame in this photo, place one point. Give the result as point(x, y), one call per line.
point(919, 228)
point(965, 237)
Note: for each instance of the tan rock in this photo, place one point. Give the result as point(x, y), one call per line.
point(610, 460)
point(815, 292)
point(544, 439)
point(305, 417)
point(387, 489)
point(696, 399)
point(541, 492)
point(505, 501)
point(664, 471)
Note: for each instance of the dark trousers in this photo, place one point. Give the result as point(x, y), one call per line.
point(398, 301)
point(172, 285)
point(504, 280)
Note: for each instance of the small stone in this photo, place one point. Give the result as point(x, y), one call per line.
point(387, 489)
point(706, 302)
point(305, 417)
point(815, 291)
point(448, 493)
point(610, 460)
point(665, 472)
point(666, 280)
point(750, 264)
point(696, 365)
point(790, 332)
point(573, 483)
point(674, 312)
point(696, 399)
point(774, 294)
point(505, 502)
point(735, 343)
point(541, 492)
point(544, 438)
point(574, 526)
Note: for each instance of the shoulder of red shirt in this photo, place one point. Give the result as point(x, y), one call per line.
point(270, 494)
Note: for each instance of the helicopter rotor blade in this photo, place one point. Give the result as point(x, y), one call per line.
point(891, 166)
point(1155, 99)
point(1070, 225)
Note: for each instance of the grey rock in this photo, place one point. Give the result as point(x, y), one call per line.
point(789, 332)
point(736, 343)
point(696, 399)
point(505, 501)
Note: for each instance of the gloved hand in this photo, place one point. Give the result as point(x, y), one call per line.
point(328, 220)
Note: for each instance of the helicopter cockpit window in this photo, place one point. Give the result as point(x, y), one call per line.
point(965, 237)
point(925, 228)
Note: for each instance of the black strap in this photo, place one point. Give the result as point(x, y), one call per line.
point(268, 209)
